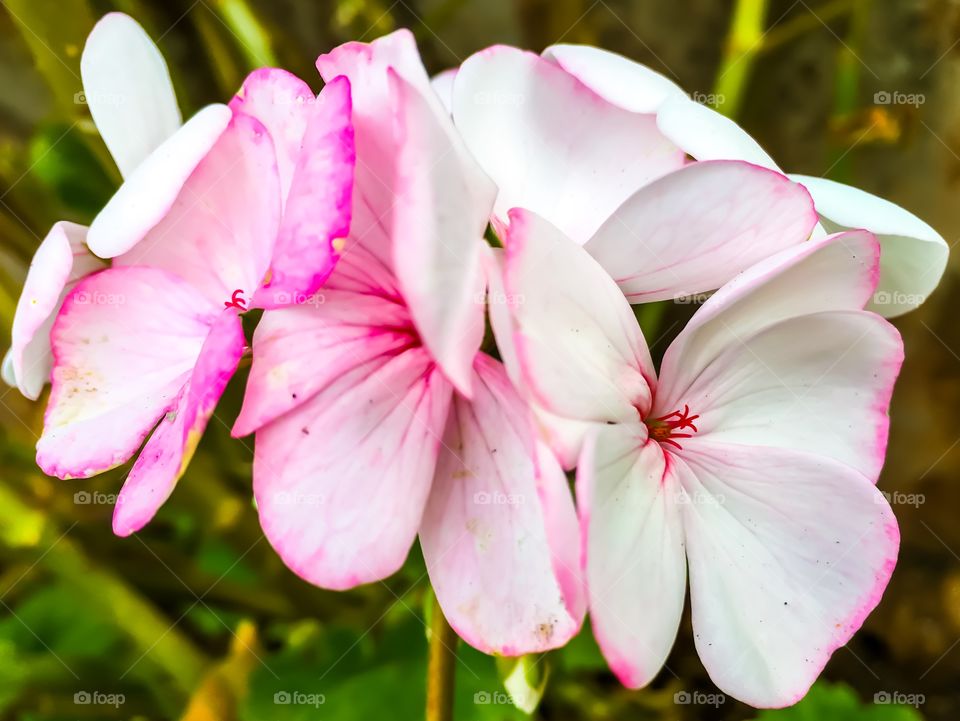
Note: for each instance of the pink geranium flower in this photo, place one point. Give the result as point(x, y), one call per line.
point(377, 419)
point(750, 460)
point(156, 337)
point(128, 90)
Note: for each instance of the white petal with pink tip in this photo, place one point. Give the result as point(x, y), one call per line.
point(487, 520)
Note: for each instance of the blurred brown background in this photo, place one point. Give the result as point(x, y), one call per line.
point(196, 618)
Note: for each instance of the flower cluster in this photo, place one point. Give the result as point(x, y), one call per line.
point(357, 221)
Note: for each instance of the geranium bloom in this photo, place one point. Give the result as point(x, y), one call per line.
point(376, 417)
point(751, 459)
point(914, 255)
point(603, 174)
point(157, 336)
point(611, 181)
point(127, 88)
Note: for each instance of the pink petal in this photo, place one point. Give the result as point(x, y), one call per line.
point(165, 456)
point(127, 86)
point(441, 212)
point(317, 214)
point(282, 102)
point(616, 79)
point(375, 116)
point(660, 244)
point(150, 191)
point(579, 346)
point(61, 260)
point(124, 344)
point(833, 273)
point(302, 350)
point(341, 481)
point(564, 436)
point(630, 507)
point(788, 554)
point(818, 383)
point(495, 513)
point(550, 144)
point(219, 234)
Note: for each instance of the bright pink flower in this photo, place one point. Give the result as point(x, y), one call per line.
point(157, 336)
point(376, 417)
point(750, 461)
point(127, 88)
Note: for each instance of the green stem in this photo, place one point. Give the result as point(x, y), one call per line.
point(744, 42)
point(441, 667)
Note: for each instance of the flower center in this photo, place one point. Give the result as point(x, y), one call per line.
point(665, 428)
point(236, 301)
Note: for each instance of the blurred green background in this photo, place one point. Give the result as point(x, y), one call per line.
point(196, 618)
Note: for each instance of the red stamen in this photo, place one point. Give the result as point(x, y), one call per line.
point(663, 429)
point(236, 301)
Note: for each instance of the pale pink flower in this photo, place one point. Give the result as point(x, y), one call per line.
point(377, 419)
point(750, 460)
point(914, 255)
point(613, 182)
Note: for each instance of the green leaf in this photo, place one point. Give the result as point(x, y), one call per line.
point(838, 702)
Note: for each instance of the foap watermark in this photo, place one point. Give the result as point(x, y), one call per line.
point(699, 698)
point(98, 698)
point(94, 498)
point(497, 297)
point(899, 698)
point(85, 297)
point(895, 97)
point(897, 498)
point(84, 98)
point(698, 498)
point(499, 99)
point(497, 498)
point(314, 299)
point(497, 698)
point(288, 498)
point(691, 298)
point(896, 297)
point(299, 698)
point(713, 100)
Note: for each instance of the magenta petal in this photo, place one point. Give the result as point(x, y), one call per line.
point(375, 115)
point(317, 214)
point(499, 532)
point(167, 453)
point(282, 102)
